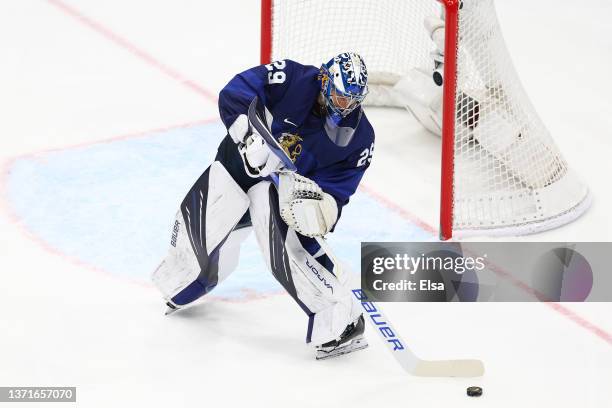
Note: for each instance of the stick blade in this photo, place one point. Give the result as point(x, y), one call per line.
point(449, 368)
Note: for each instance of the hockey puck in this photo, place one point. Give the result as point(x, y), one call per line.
point(438, 78)
point(474, 391)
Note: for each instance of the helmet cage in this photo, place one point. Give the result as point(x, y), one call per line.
point(332, 93)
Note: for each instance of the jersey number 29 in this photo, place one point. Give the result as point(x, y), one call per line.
point(365, 156)
point(275, 72)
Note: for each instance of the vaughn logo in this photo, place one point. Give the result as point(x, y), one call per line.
point(316, 272)
point(175, 231)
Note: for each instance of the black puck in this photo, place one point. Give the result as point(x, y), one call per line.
point(474, 391)
point(438, 78)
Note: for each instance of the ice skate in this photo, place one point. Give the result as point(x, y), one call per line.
point(171, 308)
point(350, 340)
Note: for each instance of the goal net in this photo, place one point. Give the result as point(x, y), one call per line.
point(502, 173)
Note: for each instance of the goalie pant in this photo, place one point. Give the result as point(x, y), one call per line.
point(209, 228)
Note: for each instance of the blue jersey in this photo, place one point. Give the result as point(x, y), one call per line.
point(335, 157)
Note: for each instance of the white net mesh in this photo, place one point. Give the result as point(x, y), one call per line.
point(388, 34)
point(509, 176)
point(508, 170)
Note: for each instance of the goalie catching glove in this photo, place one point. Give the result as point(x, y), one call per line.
point(258, 159)
point(304, 206)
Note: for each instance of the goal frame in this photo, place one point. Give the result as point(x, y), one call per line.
point(450, 224)
point(448, 115)
point(451, 46)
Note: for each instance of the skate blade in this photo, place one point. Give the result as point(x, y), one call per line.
point(355, 345)
point(171, 308)
point(169, 311)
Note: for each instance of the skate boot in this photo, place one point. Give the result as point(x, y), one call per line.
point(350, 340)
point(171, 308)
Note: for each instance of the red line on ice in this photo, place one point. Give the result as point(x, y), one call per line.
point(132, 48)
point(397, 209)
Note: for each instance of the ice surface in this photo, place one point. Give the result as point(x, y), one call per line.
point(99, 102)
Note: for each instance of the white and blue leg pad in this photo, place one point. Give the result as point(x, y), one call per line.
point(204, 245)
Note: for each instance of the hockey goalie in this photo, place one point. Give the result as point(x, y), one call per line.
point(317, 119)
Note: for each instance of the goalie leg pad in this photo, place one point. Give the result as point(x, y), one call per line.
point(326, 299)
point(204, 243)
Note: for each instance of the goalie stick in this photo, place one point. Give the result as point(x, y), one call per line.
point(398, 347)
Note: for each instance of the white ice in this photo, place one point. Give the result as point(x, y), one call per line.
point(124, 84)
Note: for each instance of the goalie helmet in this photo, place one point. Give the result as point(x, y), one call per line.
point(344, 84)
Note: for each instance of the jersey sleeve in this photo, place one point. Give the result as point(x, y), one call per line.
point(270, 83)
